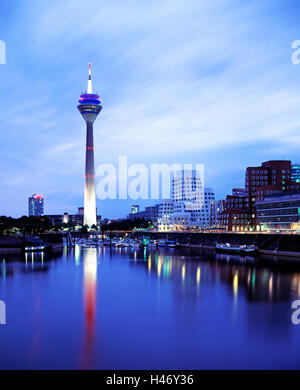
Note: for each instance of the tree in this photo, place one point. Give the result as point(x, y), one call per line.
point(84, 229)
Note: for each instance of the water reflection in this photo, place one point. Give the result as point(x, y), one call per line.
point(90, 286)
point(257, 282)
point(184, 307)
point(198, 276)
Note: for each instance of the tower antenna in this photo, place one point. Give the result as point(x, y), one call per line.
point(90, 88)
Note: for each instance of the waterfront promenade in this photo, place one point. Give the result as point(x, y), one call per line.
point(282, 245)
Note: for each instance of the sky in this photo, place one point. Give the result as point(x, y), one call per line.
point(187, 82)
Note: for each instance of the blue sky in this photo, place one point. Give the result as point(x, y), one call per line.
point(180, 81)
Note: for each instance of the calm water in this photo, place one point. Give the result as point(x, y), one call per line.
point(136, 309)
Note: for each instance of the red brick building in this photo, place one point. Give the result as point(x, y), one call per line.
point(271, 178)
point(235, 217)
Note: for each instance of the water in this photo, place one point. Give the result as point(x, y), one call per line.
point(158, 309)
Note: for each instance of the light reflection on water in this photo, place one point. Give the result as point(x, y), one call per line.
point(134, 308)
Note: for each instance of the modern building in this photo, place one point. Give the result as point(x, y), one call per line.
point(149, 214)
point(296, 173)
point(239, 192)
point(35, 205)
point(275, 173)
point(76, 219)
point(279, 212)
point(165, 215)
point(89, 107)
point(235, 220)
point(272, 176)
point(216, 209)
point(187, 190)
point(235, 216)
point(190, 206)
point(135, 209)
point(175, 215)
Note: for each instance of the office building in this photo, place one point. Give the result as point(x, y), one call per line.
point(279, 212)
point(296, 173)
point(135, 209)
point(36, 205)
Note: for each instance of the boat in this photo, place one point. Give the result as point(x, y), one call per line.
point(135, 245)
point(240, 249)
point(161, 243)
point(39, 248)
point(173, 244)
point(152, 244)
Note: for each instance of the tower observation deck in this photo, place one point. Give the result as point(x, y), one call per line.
point(89, 107)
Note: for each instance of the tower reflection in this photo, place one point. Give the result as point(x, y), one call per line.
point(90, 284)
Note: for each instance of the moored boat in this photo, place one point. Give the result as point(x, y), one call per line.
point(172, 244)
point(240, 249)
point(161, 243)
point(40, 248)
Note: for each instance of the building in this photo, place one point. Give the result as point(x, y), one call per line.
point(35, 205)
point(271, 177)
point(187, 190)
point(135, 209)
point(235, 216)
point(150, 213)
point(190, 206)
point(201, 218)
point(89, 107)
point(279, 212)
point(276, 173)
point(66, 218)
point(176, 215)
point(80, 211)
point(240, 192)
point(165, 215)
point(216, 209)
point(56, 219)
point(296, 173)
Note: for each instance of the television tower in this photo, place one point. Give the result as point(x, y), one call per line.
point(89, 107)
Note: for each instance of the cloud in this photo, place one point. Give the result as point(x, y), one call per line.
point(177, 79)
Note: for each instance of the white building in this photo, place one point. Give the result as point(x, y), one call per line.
point(165, 213)
point(190, 207)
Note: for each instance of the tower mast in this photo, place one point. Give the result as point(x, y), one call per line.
point(89, 107)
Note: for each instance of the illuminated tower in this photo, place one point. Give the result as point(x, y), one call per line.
point(89, 107)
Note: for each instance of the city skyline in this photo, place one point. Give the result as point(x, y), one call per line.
point(161, 240)
point(182, 83)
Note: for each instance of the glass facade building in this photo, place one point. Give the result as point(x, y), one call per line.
point(296, 173)
point(279, 212)
point(35, 205)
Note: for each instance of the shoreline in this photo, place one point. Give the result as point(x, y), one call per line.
point(262, 252)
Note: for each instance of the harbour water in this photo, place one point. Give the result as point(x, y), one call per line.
point(130, 308)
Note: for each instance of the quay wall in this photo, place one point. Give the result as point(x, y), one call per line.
point(276, 244)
